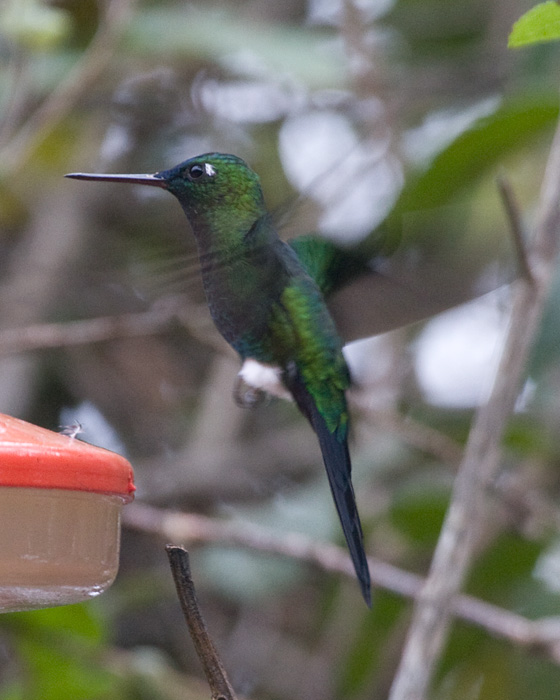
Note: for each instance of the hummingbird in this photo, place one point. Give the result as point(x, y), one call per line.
point(287, 308)
point(265, 298)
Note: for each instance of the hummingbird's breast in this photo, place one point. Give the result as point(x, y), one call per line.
point(241, 291)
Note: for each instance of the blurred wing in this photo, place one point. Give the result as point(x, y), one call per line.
point(436, 252)
point(368, 295)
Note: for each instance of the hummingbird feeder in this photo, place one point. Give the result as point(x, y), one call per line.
point(60, 509)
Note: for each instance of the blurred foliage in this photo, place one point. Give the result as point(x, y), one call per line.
point(382, 123)
point(42, 667)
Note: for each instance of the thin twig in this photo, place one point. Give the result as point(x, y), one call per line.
point(512, 210)
point(213, 668)
point(542, 636)
point(43, 336)
point(362, 59)
point(468, 509)
point(17, 93)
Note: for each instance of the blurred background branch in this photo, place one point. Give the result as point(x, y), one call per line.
point(541, 636)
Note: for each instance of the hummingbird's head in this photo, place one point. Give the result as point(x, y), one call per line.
point(219, 193)
point(215, 185)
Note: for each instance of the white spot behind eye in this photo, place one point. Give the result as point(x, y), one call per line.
point(209, 169)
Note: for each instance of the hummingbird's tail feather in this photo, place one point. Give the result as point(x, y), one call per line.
point(336, 458)
point(337, 464)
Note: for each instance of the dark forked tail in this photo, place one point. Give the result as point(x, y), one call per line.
point(336, 458)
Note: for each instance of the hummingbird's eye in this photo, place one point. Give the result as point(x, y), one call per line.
point(199, 172)
point(195, 172)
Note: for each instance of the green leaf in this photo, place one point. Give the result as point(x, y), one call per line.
point(55, 674)
point(418, 513)
point(477, 150)
point(35, 25)
point(539, 24)
point(503, 568)
point(80, 621)
point(61, 654)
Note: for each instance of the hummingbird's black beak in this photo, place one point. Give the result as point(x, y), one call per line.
point(154, 180)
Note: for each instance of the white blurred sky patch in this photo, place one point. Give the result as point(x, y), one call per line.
point(547, 567)
point(356, 184)
point(441, 128)
point(330, 11)
point(374, 366)
point(458, 351)
point(249, 101)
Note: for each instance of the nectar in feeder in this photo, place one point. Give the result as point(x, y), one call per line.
point(60, 507)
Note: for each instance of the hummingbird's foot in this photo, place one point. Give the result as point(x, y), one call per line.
point(246, 396)
point(264, 378)
point(256, 383)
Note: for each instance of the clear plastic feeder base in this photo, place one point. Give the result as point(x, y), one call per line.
point(59, 546)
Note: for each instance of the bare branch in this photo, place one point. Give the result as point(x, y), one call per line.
point(213, 668)
point(41, 336)
point(512, 210)
point(158, 318)
point(468, 508)
point(542, 636)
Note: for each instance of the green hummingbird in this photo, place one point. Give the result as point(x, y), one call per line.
point(266, 299)
point(287, 308)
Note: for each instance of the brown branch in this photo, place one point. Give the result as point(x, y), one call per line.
point(512, 210)
point(468, 509)
point(541, 636)
point(17, 93)
point(43, 336)
point(213, 668)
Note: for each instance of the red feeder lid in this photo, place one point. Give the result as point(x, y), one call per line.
point(39, 458)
